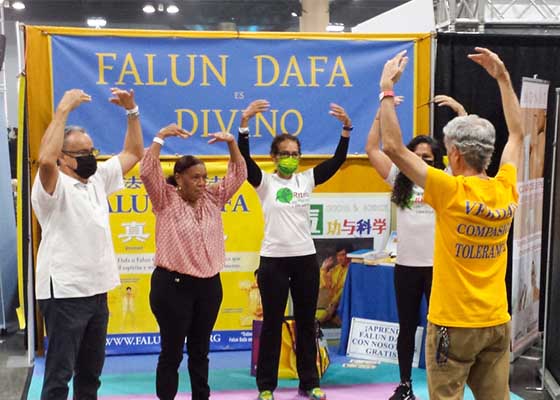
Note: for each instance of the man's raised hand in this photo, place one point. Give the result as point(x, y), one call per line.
point(393, 70)
point(123, 98)
point(72, 99)
point(490, 62)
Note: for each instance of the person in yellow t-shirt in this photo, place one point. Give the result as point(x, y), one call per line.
point(469, 330)
point(332, 281)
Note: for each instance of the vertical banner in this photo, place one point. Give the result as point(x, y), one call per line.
point(132, 326)
point(527, 228)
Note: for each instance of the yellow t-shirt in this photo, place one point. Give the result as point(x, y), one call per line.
point(338, 276)
point(473, 217)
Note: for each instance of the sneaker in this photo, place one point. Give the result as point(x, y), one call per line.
point(313, 394)
point(403, 392)
point(265, 395)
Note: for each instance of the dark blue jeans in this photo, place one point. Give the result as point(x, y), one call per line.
point(184, 307)
point(76, 330)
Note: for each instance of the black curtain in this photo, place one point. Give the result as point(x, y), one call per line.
point(459, 77)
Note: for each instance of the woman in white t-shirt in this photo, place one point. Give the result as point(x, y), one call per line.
point(415, 232)
point(288, 260)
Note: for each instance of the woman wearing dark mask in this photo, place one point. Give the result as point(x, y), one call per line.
point(415, 230)
point(186, 291)
point(288, 258)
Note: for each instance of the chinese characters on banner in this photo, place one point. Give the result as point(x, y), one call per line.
point(351, 216)
point(342, 223)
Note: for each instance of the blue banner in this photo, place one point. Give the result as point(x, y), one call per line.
point(204, 84)
point(147, 343)
point(143, 343)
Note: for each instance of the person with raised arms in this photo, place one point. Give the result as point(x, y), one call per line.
point(288, 260)
point(468, 339)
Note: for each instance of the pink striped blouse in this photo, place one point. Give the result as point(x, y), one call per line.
point(189, 240)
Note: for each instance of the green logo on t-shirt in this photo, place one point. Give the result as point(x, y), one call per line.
point(284, 195)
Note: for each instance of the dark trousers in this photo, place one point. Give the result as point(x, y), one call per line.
point(411, 283)
point(184, 307)
point(277, 276)
point(76, 329)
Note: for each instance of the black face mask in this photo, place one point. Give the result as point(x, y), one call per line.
point(87, 165)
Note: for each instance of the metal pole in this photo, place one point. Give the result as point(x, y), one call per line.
point(550, 219)
point(452, 15)
point(542, 387)
point(3, 89)
point(432, 81)
point(3, 80)
point(20, 50)
point(480, 4)
point(30, 325)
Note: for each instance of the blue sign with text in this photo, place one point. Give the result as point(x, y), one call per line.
point(203, 84)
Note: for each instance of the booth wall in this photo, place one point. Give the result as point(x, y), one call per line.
point(356, 175)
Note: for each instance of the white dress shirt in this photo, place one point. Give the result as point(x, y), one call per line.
point(76, 251)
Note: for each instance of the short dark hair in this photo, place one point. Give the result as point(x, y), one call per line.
point(181, 165)
point(347, 247)
point(279, 139)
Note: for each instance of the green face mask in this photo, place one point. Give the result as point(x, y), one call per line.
point(288, 165)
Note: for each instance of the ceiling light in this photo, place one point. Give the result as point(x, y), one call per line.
point(96, 22)
point(334, 27)
point(160, 7)
point(294, 14)
point(18, 5)
point(172, 9)
point(149, 9)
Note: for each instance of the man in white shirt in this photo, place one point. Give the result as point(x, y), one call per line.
point(76, 264)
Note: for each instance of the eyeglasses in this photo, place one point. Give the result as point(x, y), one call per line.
point(82, 153)
point(285, 154)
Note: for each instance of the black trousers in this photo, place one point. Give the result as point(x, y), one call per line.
point(77, 330)
point(411, 283)
point(184, 307)
point(277, 276)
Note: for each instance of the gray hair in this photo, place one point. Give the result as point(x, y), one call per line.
point(474, 137)
point(69, 130)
